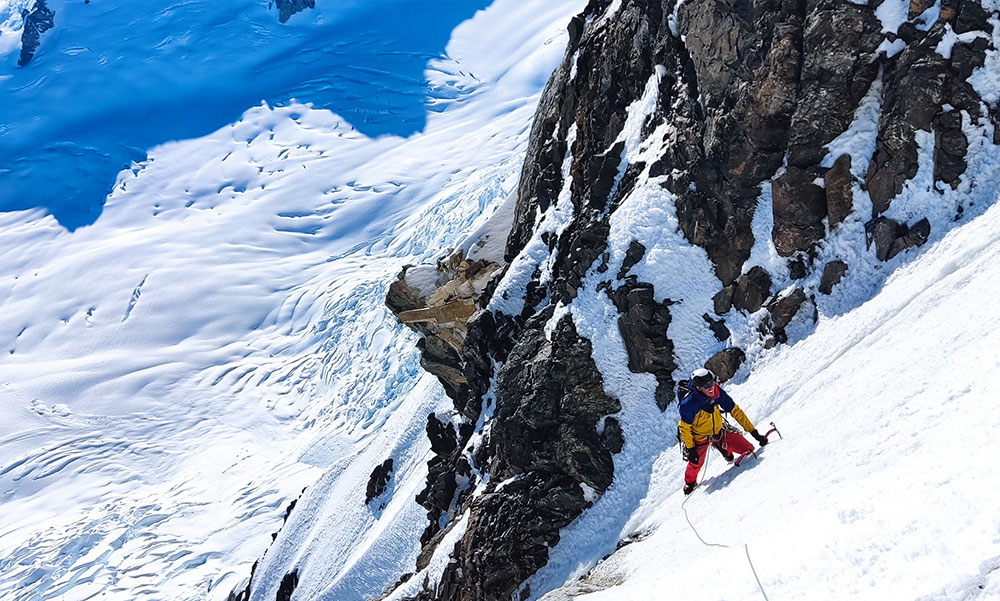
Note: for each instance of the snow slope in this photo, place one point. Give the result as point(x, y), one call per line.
point(182, 358)
point(177, 372)
point(882, 487)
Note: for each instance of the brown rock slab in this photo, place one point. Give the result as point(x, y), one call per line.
point(752, 289)
point(833, 272)
point(726, 362)
point(799, 207)
point(839, 194)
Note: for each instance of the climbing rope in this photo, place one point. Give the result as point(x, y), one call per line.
point(746, 547)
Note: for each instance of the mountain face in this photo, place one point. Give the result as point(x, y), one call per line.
point(198, 349)
point(702, 177)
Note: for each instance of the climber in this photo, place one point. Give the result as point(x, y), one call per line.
point(701, 424)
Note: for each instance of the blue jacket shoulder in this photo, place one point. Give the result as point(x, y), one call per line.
point(697, 401)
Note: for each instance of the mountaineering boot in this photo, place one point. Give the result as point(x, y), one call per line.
point(689, 487)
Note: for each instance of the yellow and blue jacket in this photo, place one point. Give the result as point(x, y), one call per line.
point(701, 416)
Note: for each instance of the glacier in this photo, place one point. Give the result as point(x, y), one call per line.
point(174, 372)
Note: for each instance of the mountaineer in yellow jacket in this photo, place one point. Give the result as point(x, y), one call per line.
point(701, 424)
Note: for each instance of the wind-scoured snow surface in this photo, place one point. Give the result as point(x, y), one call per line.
point(175, 373)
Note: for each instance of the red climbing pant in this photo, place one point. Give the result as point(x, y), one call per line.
point(731, 441)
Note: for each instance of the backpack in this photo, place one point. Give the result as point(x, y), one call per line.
point(683, 392)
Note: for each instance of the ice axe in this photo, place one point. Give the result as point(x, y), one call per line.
point(767, 434)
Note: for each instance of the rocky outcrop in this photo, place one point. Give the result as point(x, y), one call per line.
point(36, 22)
point(287, 587)
point(437, 302)
point(287, 8)
point(800, 208)
point(726, 363)
point(838, 185)
point(780, 312)
point(549, 454)
point(749, 97)
point(833, 272)
point(643, 324)
point(891, 237)
point(378, 481)
point(925, 90)
point(752, 289)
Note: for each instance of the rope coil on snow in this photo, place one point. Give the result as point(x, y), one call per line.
point(708, 544)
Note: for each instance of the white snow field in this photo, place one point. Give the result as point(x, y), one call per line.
point(177, 371)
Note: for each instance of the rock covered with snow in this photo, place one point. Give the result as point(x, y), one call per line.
point(706, 178)
point(37, 20)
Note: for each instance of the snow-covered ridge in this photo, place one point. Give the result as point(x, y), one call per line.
point(662, 223)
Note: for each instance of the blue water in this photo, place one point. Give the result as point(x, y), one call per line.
point(116, 77)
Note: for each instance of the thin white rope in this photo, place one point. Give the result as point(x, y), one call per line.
point(746, 547)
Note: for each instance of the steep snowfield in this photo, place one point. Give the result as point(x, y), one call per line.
point(182, 360)
point(882, 487)
point(176, 373)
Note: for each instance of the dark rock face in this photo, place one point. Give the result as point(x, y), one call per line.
point(839, 65)
point(718, 327)
point(726, 363)
point(950, 146)
point(780, 313)
point(883, 232)
point(546, 436)
point(442, 470)
point(784, 308)
point(287, 587)
point(442, 436)
point(287, 8)
point(745, 60)
point(36, 22)
point(643, 326)
point(752, 94)
point(891, 238)
point(833, 272)
point(753, 288)
point(722, 302)
point(922, 73)
point(799, 207)
point(839, 194)
point(378, 481)
point(243, 594)
point(918, 83)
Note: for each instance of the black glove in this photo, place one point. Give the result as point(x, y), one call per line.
point(760, 438)
point(692, 455)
